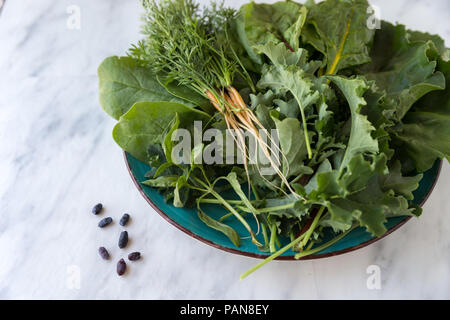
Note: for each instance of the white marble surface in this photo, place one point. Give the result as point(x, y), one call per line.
point(57, 159)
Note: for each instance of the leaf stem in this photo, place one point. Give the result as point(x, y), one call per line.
point(236, 214)
point(273, 234)
point(225, 216)
point(324, 246)
point(305, 127)
point(277, 208)
point(273, 256)
point(215, 201)
point(262, 210)
point(312, 227)
point(230, 215)
point(264, 232)
point(304, 238)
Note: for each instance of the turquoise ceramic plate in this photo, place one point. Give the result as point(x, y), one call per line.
point(187, 220)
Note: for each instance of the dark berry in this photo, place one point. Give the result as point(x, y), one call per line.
point(124, 219)
point(103, 253)
point(123, 239)
point(104, 222)
point(134, 256)
point(97, 208)
point(121, 267)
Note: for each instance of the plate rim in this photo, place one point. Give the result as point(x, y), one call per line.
point(262, 256)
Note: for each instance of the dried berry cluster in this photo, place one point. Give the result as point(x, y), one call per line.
point(123, 239)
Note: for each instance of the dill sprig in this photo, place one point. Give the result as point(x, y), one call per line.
point(180, 44)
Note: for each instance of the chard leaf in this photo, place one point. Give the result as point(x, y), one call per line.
point(388, 41)
point(339, 30)
point(123, 82)
point(219, 226)
point(146, 122)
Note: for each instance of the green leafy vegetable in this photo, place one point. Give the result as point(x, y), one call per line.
point(123, 82)
point(293, 144)
point(358, 113)
point(360, 140)
point(145, 123)
point(226, 230)
point(338, 29)
point(409, 75)
point(265, 23)
point(292, 78)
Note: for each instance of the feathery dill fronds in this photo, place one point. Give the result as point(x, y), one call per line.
point(180, 44)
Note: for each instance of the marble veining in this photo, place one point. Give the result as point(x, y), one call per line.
point(57, 160)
